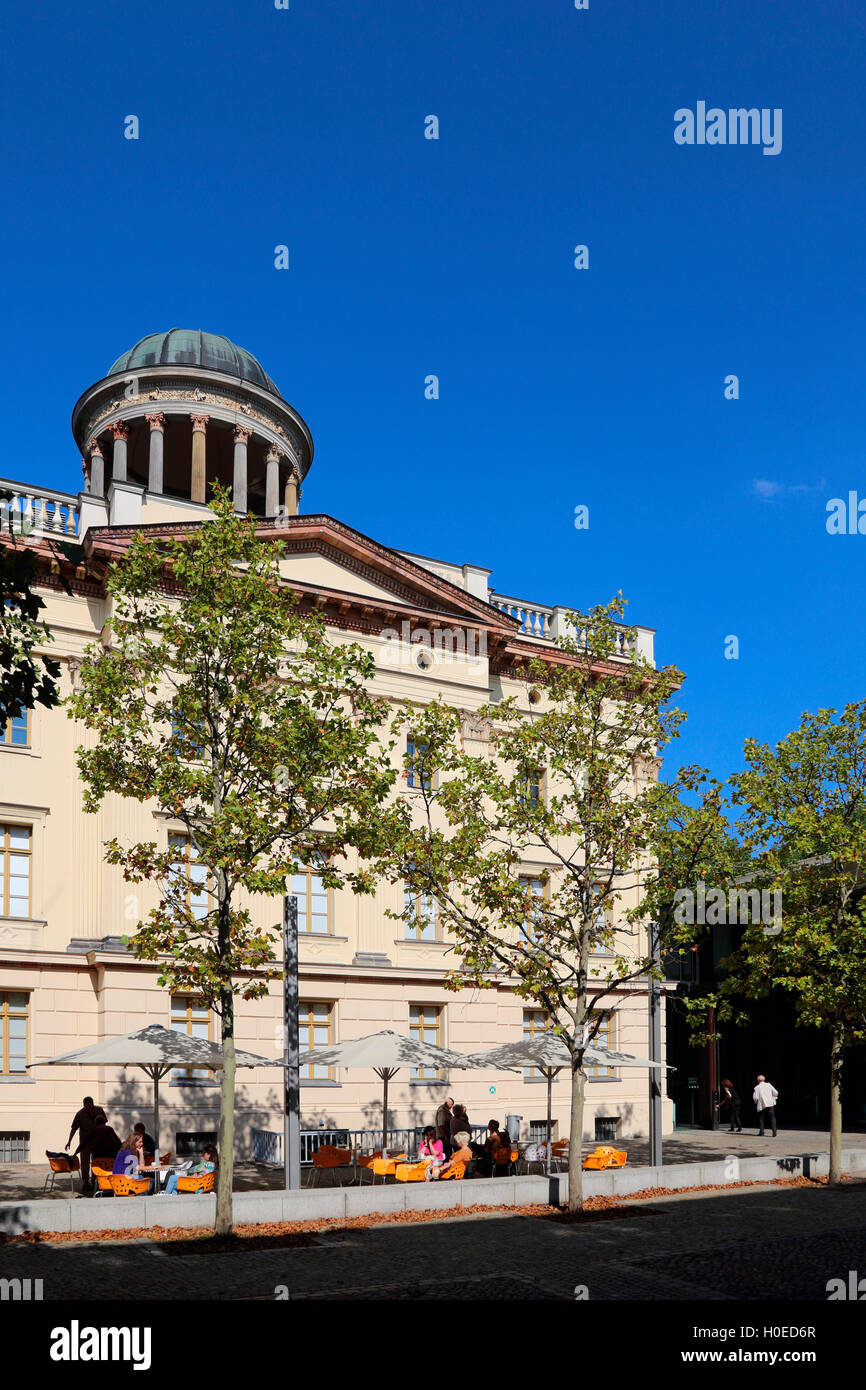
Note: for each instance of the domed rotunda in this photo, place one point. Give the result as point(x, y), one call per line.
point(182, 410)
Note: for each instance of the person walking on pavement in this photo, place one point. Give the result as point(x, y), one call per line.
point(765, 1097)
point(443, 1125)
point(83, 1123)
point(732, 1102)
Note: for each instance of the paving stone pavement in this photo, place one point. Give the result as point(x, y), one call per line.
point(759, 1244)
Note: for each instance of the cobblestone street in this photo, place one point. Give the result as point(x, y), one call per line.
point(765, 1244)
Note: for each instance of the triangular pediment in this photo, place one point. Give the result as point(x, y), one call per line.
point(327, 555)
point(336, 568)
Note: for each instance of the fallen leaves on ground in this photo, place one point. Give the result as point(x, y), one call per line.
point(297, 1234)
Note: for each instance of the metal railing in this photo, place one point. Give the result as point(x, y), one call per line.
point(268, 1143)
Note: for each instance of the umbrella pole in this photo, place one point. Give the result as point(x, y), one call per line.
point(385, 1077)
point(549, 1071)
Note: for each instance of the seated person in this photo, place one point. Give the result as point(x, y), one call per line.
point(493, 1142)
point(432, 1151)
point(103, 1143)
point(130, 1159)
point(209, 1164)
point(462, 1154)
point(148, 1146)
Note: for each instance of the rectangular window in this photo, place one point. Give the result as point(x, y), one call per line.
point(598, 945)
point(530, 792)
point(315, 1029)
point(192, 874)
point(15, 859)
point(190, 1144)
point(15, 733)
point(538, 1131)
point(315, 903)
point(191, 1016)
point(606, 1127)
point(534, 890)
point(535, 1022)
point(602, 1039)
point(15, 1146)
point(422, 920)
point(14, 1013)
point(416, 774)
point(425, 1022)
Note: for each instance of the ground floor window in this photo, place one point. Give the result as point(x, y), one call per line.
point(14, 1010)
point(315, 1029)
point(602, 1039)
point(191, 1016)
point(425, 1025)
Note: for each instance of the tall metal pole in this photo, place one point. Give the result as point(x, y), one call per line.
point(655, 1050)
point(291, 1073)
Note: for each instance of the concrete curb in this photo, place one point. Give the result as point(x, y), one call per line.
point(258, 1208)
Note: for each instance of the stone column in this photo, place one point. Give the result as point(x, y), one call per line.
point(199, 461)
point(154, 463)
point(239, 480)
point(97, 469)
point(118, 457)
point(272, 481)
point(291, 492)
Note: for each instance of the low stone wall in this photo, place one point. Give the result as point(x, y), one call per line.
point(256, 1208)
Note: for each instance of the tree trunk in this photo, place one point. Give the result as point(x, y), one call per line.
point(836, 1047)
point(575, 1144)
point(225, 1176)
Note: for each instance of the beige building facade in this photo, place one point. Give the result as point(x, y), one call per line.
point(176, 412)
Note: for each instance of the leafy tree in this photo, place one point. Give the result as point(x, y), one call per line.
point(569, 786)
point(217, 700)
point(804, 822)
point(25, 680)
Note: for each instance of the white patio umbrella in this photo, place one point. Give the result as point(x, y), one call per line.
point(385, 1053)
point(549, 1054)
point(156, 1050)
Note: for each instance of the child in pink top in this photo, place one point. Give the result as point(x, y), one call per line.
point(431, 1151)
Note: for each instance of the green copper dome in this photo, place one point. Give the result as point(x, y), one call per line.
point(192, 348)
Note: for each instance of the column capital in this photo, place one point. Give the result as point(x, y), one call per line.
point(156, 421)
point(119, 430)
point(243, 434)
point(199, 423)
point(274, 454)
point(94, 447)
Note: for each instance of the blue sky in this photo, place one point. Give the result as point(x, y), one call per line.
point(454, 257)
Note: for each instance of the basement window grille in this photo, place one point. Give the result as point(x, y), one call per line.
point(15, 1146)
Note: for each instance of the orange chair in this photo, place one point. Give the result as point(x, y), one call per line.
point(123, 1186)
point(103, 1178)
point(197, 1182)
point(411, 1172)
point(457, 1172)
point(606, 1156)
point(60, 1163)
point(559, 1153)
point(329, 1156)
point(506, 1157)
point(387, 1167)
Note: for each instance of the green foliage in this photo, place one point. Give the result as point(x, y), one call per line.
point(804, 823)
point(25, 680)
point(470, 833)
point(214, 699)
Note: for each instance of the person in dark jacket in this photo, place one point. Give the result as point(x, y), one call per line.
point(731, 1101)
point(82, 1124)
point(459, 1123)
point(443, 1125)
point(104, 1143)
point(148, 1145)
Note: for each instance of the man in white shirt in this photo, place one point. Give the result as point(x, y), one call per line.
point(765, 1097)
